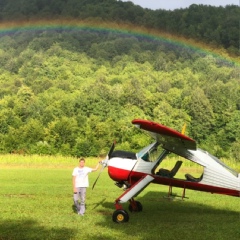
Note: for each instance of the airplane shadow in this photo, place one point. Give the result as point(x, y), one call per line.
point(29, 229)
point(180, 217)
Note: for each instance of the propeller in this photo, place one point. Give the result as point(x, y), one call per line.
point(104, 163)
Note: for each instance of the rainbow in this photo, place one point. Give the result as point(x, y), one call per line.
point(8, 28)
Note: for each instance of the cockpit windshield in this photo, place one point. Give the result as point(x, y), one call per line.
point(145, 150)
point(149, 153)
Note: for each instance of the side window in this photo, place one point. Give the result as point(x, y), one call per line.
point(154, 154)
point(145, 157)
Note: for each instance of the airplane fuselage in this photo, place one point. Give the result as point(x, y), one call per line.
point(132, 170)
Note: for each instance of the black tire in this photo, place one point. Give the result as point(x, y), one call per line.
point(139, 207)
point(120, 216)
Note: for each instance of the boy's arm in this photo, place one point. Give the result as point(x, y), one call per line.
point(96, 168)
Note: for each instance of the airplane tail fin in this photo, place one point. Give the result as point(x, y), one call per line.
point(184, 128)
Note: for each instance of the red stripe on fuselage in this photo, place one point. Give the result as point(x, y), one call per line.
point(194, 186)
point(118, 174)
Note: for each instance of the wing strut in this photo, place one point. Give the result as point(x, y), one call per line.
point(135, 189)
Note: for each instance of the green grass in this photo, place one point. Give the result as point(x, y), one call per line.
point(36, 203)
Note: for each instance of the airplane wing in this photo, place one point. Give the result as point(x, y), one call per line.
point(170, 139)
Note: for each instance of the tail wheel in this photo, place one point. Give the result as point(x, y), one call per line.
point(120, 216)
point(135, 206)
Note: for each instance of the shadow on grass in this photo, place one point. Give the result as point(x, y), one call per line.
point(166, 219)
point(31, 230)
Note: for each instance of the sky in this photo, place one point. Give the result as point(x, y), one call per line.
point(174, 4)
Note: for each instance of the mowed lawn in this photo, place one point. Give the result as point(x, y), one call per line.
point(36, 203)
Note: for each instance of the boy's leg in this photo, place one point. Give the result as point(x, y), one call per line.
point(76, 197)
point(82, 203)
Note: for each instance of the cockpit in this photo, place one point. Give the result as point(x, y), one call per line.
point(150, 153)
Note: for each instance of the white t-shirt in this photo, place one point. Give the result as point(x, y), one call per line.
point(81, 175)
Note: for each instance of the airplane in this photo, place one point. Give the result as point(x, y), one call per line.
point(135, 171)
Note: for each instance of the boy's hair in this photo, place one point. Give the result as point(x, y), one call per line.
point(81, 159)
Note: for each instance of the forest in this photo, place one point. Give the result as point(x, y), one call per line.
point(73, 92)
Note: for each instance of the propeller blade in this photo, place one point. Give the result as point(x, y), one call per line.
point(98, 177)
point(111, 150)
point(104, 163)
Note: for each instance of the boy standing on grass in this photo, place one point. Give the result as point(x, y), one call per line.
point(80, 183)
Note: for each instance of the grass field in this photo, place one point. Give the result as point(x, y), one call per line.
point(36, 203)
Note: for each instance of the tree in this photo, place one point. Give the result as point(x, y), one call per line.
point(199, 108)
point(61, 132)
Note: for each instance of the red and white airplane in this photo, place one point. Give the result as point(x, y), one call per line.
point(135, 171)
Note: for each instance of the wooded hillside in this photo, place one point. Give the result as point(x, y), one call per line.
point(72, 92)
point(217, 26)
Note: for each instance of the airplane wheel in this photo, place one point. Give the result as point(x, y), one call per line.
point(138, 208)
point(120, 216)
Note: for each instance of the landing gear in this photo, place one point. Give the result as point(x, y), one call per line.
point(135, 206)
point(120, 216)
